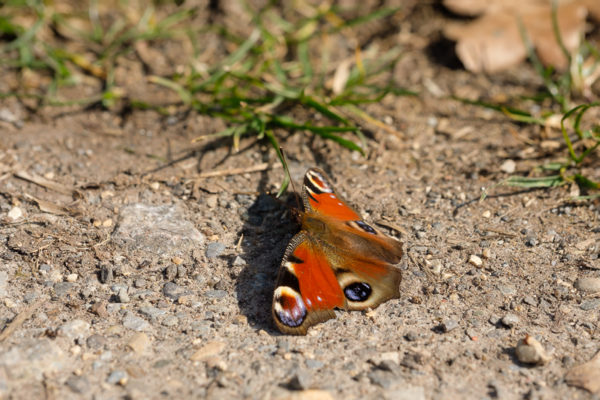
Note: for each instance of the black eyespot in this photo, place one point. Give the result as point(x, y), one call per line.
point(357, 291)
point(366, 227)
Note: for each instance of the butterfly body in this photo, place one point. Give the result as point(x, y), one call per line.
point(335, 261)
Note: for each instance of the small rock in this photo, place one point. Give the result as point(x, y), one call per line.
point(589, 305)
point(99, 308)
point(62, 288)
point(486, 214)
point(170, 320)
point(530, 351)
point(106, 274)
point(239, 261)
point(507, 290)
point(96, 342)
point(170, 272)
point(588, 284)
point(486, 253)
point(140, 283)
point(117, 377)
point(177, 260)
point(72, 278)
point(510, 320)
point(152, 312)
point(209, 350)
point(75, 329)
point(314, 364)
point(138, 342)
point(508, 166)
point(156, 229)
point(135, 323)
point(78, 384)
point(530, 300)
point(531, 241)
point(216, 294)
point(384, 379)
point(15, 213)
point(411, 336)
point(172, 290)
point(3, 283)
point(214, 249)
point(475, 260)
point(123, 296)
point(449, 325)
point(300, 381)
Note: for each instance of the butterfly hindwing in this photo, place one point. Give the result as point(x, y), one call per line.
point(307, 290)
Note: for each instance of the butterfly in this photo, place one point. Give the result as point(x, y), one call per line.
point(336, 261)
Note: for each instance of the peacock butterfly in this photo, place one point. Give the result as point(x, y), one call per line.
point(336, 261)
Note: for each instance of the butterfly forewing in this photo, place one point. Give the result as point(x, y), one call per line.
point(320, 197)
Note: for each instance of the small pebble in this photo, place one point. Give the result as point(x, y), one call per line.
point(449, 325)
point(209, 350)
point(216, 294)
point(72, 277)
point(117, 377)
point(214, 249)
point(106, 274)
point(138, 342)
point(314, 364)
point(135, 323)
point(77, 384)
point(589, 305)
point(486, 253)
point(300, 381)
point(588, 284)
point(172, 290)
point(152, 312)
point(177, 260)
point(170, 320)
point(74, 329)
point(530, 351)
point(96, 342)
point(475, 260)
point(530, 300)
point(508, 166)
point(486, 214)
point(123, 296)
point(15, 213)
point(239, 261)
point(510, 320)
point(531, 241)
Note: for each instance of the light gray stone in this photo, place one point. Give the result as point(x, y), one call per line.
point(160, 230)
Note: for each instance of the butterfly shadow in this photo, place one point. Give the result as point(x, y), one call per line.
point(267, 229)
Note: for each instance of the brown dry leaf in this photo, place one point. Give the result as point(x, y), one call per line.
point(493, 41)
point(586, 376)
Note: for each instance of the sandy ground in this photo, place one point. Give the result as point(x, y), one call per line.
point(124, 277)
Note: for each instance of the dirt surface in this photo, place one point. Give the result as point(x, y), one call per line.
point(130, 278)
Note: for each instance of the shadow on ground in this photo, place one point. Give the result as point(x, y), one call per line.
point(267, 230)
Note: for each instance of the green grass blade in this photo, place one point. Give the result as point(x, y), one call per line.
point(529, 182)
point(275, 144)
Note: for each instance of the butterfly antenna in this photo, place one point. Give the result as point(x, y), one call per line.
point(287, 171)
